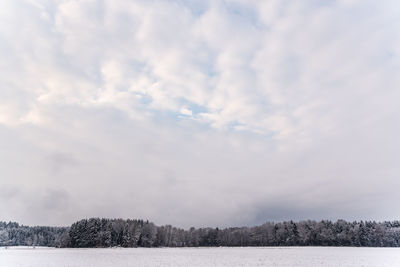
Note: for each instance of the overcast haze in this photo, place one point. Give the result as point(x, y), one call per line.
point(199, 113)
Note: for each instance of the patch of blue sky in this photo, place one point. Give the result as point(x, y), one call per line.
point(235, 125)
point(244, 13)
point(144, 98)
point(138, 66)
point(246, 131)
point(168, 117)
point(196, 7)
point(176, 116)
point(321, 4)
point(195, 109)
point(390, 54)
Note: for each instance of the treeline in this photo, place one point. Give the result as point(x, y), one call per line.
point(96, 232)
point(13, 234)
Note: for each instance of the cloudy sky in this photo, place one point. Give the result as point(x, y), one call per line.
point(199, 113)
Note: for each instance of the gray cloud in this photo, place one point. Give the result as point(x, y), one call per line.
point(8, 192)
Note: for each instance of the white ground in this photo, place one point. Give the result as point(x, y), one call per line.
point(272, 256)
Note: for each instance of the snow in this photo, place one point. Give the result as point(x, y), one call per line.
point(259, 256)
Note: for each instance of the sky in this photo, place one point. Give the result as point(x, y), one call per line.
point(199, 113)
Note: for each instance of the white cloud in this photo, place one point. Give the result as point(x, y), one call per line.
point(239, 105)
point(186, 111)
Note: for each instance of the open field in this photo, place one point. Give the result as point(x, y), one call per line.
point(255, 256)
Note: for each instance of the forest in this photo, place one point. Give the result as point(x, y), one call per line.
point(100, 232)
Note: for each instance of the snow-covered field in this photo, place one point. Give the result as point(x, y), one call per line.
point(271, 256)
